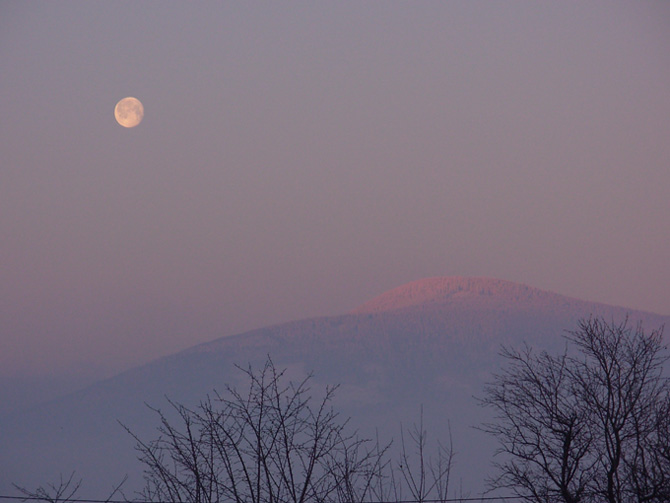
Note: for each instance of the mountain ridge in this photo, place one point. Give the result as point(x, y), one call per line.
point(440, 290)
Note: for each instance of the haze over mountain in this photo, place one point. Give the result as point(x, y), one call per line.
point(430, 343)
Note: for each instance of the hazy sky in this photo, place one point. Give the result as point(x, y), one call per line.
point(298, 158)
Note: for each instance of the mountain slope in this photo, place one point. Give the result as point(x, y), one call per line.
point(430, 343)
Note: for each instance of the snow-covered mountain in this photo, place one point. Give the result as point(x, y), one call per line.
point(430, 343)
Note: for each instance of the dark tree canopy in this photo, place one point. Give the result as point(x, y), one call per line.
point(588, 425)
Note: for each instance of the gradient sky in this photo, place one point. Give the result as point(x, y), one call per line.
point(298, 158)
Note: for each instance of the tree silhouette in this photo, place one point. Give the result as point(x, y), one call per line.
point(272, 443)
point(588, 426)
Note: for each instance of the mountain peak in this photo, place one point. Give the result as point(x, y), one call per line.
point(441, 290)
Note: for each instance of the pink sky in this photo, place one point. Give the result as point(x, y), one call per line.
point(298, 158)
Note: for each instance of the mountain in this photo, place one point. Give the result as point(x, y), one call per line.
point(432, 343)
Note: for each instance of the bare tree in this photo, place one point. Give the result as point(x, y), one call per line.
point(587, 427)
point(619, 380)
point(424, 475)
point(271, 444)
point(542, 427)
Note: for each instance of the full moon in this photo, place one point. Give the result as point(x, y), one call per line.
point(129, 112)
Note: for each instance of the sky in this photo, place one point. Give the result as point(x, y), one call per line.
point(298, 158)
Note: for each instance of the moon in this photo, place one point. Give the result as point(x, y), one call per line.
point(129, 112)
